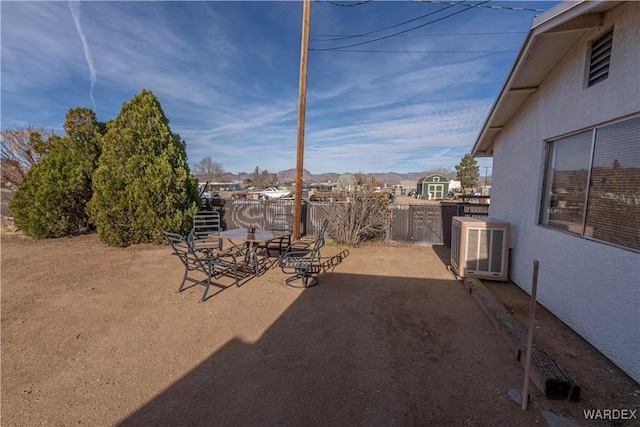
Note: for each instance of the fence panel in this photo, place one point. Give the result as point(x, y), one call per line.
point(448, 212)
point(417, 223)
point(411, 223)
point(426, 224)
point(315, 215)
point(241, 213)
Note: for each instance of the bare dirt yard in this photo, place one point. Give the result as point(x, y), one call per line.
point(94, 335)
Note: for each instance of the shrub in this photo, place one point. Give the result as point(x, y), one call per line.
point(51, 200)
point(22, 147)
point(142, 184)
point(364, 215)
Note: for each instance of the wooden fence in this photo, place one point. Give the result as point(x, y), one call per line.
point(413, 223)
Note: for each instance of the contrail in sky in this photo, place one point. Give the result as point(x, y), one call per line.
point(74, 7)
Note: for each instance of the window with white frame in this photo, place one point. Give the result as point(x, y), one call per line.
point(592, 184)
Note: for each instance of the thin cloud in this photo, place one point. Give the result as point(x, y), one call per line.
point(226, 75)
point(74, 7)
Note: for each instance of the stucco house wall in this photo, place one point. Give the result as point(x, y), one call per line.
point(593, 287)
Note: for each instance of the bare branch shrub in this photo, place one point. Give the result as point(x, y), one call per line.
point(366, 214)
point(209, 170)
point(22, 147)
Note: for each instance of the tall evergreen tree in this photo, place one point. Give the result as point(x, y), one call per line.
point(52, 199)
point(143, 184)
point(468, 172)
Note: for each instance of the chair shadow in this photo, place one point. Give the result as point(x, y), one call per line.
point(322, 267)
point(332, 262)
point(244, 276)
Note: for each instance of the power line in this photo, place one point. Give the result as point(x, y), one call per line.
point(414, 51)
point(391, 26)
point(349, 5)
point(406, 31)
point(420, 35)
point(521, 9)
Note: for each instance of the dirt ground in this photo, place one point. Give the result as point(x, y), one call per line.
point(98, 336)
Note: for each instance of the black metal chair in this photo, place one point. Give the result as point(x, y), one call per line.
point(280, 222)
point(206, 229)
point(210, 263)
point(304, 264)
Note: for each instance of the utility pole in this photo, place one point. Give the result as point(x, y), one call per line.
point(485, 175)
point(302, 100)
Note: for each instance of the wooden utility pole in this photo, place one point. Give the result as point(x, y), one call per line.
point(302, 101)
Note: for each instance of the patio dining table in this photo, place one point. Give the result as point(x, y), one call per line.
point(251, 241)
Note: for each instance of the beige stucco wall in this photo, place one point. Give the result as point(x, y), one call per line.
point(593, 287)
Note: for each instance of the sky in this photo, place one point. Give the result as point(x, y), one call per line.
point(392, 86)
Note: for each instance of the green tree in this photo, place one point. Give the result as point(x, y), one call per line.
point(52, 199)
point(142, 185)
point(468, 172)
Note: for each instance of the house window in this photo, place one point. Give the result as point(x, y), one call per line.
point(592, 184)
point(600, 58)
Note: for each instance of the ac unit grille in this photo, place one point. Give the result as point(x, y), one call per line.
point(497, 251)
point(479, 247)
point(484, 250)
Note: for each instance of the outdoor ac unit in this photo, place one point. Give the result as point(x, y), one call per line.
point(480, 248)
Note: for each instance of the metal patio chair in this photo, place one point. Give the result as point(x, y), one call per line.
point(304, 264)
point(206, 229)
point(210, 263)
point(280, 222)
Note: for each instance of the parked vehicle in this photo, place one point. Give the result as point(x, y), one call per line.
point(211, 201)
point(271, 193)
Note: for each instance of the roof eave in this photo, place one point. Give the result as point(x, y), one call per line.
point(557, 28)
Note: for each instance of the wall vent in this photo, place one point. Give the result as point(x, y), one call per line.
point(600, 58)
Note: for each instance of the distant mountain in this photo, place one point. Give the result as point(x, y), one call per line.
point(288, 176)
point(396, 178)
point(386, 177)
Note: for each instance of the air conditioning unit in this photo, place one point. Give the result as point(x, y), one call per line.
point(480, 247)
